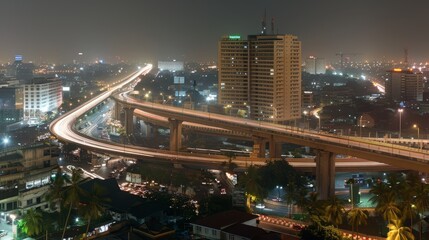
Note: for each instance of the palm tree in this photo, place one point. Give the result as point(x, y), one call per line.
point(398, 232)
point(388, 208)
point(379, 192)
point(357, 217)
point(32, 222)
point(407, 206)
point(421, 201)
point(334, 211)
point(73, 194)
point(314, 207)
point(95, 204)
point(55, 195)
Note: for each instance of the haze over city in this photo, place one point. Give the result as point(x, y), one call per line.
point(195, 119)
point(134, 30)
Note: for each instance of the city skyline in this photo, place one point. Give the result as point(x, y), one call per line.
point(147, 31)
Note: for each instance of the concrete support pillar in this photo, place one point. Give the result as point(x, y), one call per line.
point(175, 134)
point(325, 174)
point(258, 147)
point(117, 111)
point(155, 135)
point(129, 120)
point(275, 148)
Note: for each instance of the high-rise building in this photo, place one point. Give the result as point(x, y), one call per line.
point(10, 106)
point(261, 75)
point(41, 95)
point(314, 65)
point(404, 85)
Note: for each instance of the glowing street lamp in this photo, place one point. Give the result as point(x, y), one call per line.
point(418, 130)
point(278, 191)
point(13, 217)
point(400, 120)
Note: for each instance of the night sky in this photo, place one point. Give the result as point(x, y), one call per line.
point(141, 30)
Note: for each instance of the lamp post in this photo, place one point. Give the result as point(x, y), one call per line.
point(418, 131)
point(13, 217)
point(305, 119)
point(278, 191)
point(360, 126)
point(418, 135)
point(400, 120)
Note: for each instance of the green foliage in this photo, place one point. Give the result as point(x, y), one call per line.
point(32, 223)
point(334, 211)
point(315, 232)
point(398, 232)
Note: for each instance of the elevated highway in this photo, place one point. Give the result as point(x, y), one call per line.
point(400, 156)
point(63, 129)
point(327, 145)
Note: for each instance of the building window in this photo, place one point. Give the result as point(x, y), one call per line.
point(213, 232)
point(29, 202)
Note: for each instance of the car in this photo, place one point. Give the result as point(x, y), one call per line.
point(260, 205)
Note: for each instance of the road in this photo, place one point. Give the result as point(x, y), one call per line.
point(401, 156)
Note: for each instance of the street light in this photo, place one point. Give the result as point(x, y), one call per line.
point(418, 130)
point(278, 191)
point(400, 121)
point(305, 119)
point(13, 217)
point(360, 126)
point(418, 135)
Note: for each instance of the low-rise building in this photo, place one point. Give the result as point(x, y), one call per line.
point(25, 174)
point(231, 224)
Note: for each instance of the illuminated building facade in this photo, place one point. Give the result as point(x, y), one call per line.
point(404, 85)
point(41, 95)
point(261, 75)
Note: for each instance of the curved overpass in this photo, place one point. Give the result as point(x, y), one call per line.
point(398, 156)
point(63, 129)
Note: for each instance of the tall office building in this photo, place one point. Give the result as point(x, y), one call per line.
point(404, 85)
point(314, 65)
point(41, 95)
point(261, 75)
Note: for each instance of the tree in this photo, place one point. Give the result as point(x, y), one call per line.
point(334, 211)
point(73, 194)
point(398, 232)
point(313, 232)
point(55, 195)
point(32, 222)
point(95, 204)
point(388, 208)
point(407, 206)
point(421, 201)
point(250, 181)
point(357, 217)
point(379, 191)
point(315, 208)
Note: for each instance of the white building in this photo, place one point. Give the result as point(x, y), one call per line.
point(41, 95)
point(171, 66)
